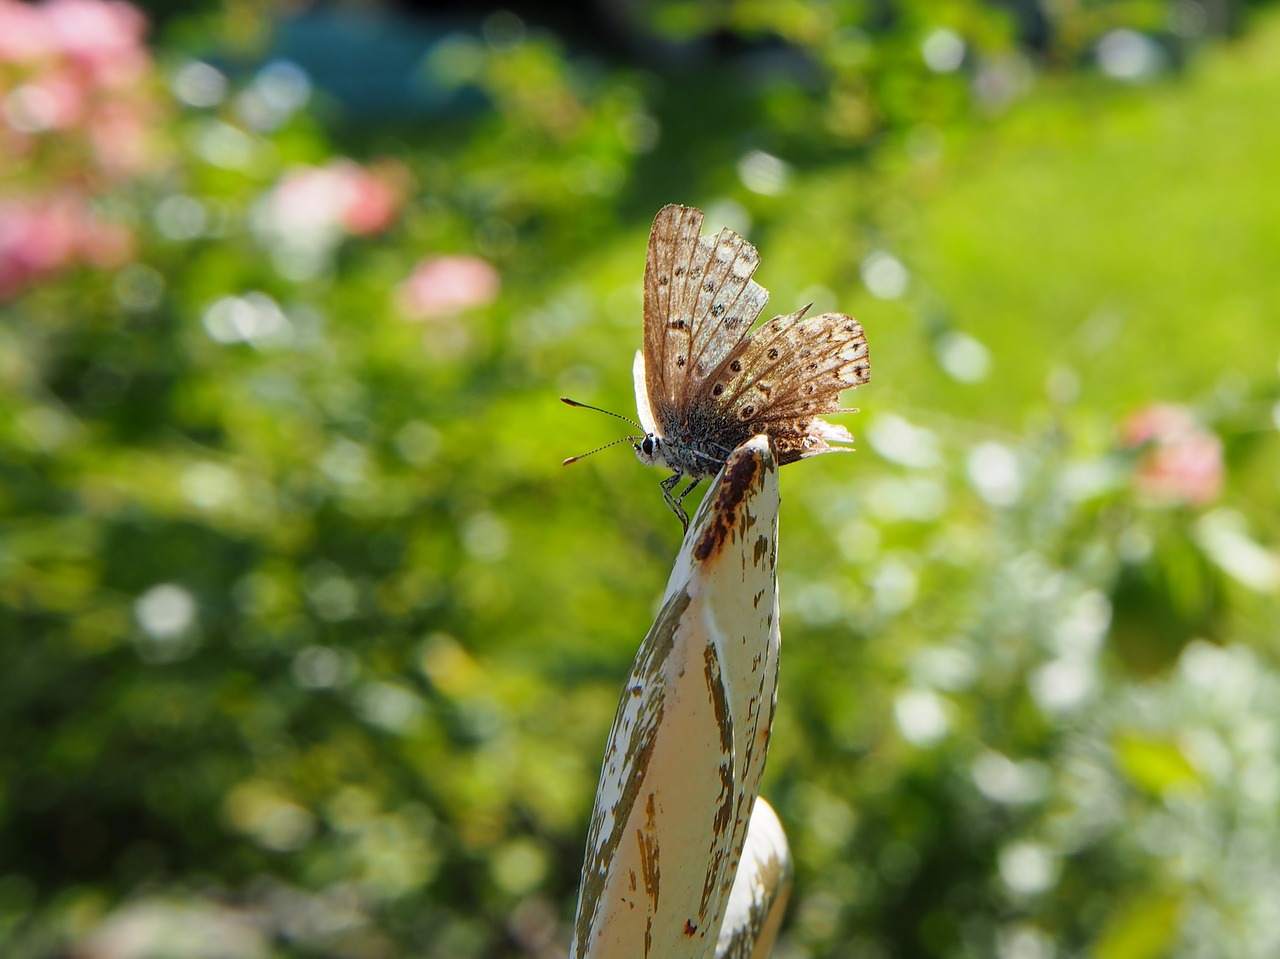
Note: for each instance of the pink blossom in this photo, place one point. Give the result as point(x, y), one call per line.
point(342, 195)
point(35, 240)
point(307, 199)
point(1180, 462)
point(374, 197)
point(54, 101)
point(102, 36)
point(120, 135)
point(445, 285)
point(25, 35)
point(40, 237)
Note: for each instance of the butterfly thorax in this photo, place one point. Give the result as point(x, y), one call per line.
point(681, 457)
point(689, 445)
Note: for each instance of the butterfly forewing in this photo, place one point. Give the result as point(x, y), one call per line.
point(700, 303)
point(673, 244)
point(728, 301)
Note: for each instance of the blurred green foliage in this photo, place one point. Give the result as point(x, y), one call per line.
point(311, 647)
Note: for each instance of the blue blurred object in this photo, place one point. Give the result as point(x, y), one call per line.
point(372, 63)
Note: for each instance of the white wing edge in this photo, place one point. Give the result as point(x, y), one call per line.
point(643, 410)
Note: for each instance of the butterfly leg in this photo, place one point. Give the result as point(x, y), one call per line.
point(668, 485)
point(680, 502)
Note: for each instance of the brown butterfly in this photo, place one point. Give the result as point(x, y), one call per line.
point(706, 383)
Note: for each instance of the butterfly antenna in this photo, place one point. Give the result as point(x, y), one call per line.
point(582, 456)
point(586, 406)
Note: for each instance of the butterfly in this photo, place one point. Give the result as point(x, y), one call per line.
point(706, 382)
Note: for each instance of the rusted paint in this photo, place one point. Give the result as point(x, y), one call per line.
point(654, 652)
point(650, 855)
point(742, 475)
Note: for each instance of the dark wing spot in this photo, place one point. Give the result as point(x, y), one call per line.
point(676, 325)
point(731, 322)
point(808, 389)
point(717, 310)
point(773, 354)
point(664, 280)
point(709, 286)
point(850, 327)
point(813, 367)
point(717, 389)
point(679, 271)
point(701, 368)
point(680, 360)
point(736, 366)
point(746, 412)
point(806, 405)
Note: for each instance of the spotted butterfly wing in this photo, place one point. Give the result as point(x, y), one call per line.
point(782, 378)
point(699, 305)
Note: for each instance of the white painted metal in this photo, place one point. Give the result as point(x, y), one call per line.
point(760, 890)
point(684, 759)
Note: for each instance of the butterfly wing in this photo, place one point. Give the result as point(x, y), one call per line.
point(699, 304)
point(781, 379)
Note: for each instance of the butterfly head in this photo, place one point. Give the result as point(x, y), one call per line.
point(649, 450)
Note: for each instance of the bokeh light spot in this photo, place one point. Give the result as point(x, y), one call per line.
point(920, 717)
point(943, 50)
point(764, 173)
point(884, 275)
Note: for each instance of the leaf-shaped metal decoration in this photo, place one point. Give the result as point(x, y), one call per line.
point(678, 791)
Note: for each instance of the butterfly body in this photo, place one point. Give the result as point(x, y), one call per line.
point(705, 383)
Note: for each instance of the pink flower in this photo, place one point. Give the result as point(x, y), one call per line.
point(374, 197)
point(342, 195)
point(120, 135)
point(36, 239)
point(102, 36)
point(54, 101)
point(25, 36)
point(40, 237)
point(445, 285)
point(1180, 462)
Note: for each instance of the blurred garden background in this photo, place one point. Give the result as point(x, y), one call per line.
point(310, 645)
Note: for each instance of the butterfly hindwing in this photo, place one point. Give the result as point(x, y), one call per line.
point(800, 367)
point(778, 382)
point(728, 301)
